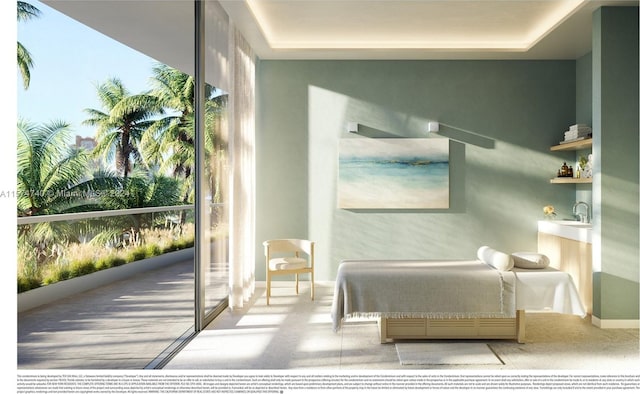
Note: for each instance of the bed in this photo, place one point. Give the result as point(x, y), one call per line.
point(451, 299)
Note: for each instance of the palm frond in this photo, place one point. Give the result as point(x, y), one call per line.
point(68, 171)
point(47, 167)
point(96, 117)
point(27, 11)
point(106, 146)
point(135, 108)
point(111, 92)
point(25, 63)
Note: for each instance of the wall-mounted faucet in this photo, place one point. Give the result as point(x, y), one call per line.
point(584, 218)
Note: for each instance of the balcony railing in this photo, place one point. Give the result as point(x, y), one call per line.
point(100, 214)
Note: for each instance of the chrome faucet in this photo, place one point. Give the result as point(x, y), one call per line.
point(584, 218)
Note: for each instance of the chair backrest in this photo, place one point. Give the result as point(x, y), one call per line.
point(290, 245)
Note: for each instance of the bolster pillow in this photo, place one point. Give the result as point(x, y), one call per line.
point(530, 260)
point(496, 259)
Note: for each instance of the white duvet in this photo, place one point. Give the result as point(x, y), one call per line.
point(431, 289)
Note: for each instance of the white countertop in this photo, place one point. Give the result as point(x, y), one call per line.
point(568, 229)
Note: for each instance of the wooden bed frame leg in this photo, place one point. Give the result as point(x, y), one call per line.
point(382, 329)
point(520, 325)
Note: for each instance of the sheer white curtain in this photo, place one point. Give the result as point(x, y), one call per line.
point(242, 149)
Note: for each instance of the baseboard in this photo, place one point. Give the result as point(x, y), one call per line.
point(614, 323)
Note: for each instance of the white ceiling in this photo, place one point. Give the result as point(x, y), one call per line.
point(417, 29)
point(357, 29)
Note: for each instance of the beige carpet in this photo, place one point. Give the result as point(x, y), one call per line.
point(437, 353)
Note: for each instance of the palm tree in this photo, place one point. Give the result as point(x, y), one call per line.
point(52, 179)
point(121, 126)
point(170, 141)
point(172, 133)
point(53, 176)
point(48, 169)
point(26, 11)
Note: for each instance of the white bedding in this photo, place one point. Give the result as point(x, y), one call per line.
point(448, 289)
point(547, 290)
point(419, 288)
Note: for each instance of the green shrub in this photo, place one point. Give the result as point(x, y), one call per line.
point(25, 284)
point(81, 259)
point(152, 250)
point(104, 262)
point(57, 275)
point(136, 254)
point(117, 261)
point(79, 268)
point(169, 248)
point(183, 243)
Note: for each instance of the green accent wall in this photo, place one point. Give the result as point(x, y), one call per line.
point(615, 188)
point(584, 89)
point(501, 118)
point(584, 107)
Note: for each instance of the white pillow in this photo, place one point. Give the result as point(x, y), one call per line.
point(498, 260)
point(530, 260)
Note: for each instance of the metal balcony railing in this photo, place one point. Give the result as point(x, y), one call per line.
point(99, 214)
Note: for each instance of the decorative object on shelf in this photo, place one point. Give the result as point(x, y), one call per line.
point(581, 166)
point(565, 171)
point(393, 173)
point(588, 168)
point(549, 212)
point(577, 132)
point(582, 162)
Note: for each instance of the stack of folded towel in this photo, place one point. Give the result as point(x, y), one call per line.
point(577, 132)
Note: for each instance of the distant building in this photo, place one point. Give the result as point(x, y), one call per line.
point(87, 143)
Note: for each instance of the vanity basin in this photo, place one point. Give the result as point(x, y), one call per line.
point(570, 229)
point(573, 223)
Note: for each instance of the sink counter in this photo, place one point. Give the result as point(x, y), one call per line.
point(568, 245)
point(567, 229)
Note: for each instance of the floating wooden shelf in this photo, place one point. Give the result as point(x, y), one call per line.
point(575, 145)
point(572, 180)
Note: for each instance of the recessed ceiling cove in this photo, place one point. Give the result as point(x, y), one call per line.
point(444, 24)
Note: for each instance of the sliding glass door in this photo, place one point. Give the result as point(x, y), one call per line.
point(211, 138)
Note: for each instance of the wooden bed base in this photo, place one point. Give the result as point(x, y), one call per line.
point(478, 328)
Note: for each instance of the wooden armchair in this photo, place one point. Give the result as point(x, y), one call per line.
point(286, 257)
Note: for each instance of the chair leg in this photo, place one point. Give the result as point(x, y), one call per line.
point(296, 283)
point(268, 287)
point(312, 286)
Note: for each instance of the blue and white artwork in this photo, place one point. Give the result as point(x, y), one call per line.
point(393, 173)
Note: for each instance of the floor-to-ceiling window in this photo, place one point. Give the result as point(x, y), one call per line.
point(159, 169)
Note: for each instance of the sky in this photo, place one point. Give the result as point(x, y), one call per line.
point(70, 60)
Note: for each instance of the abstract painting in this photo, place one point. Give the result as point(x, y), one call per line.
point(393, 173)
